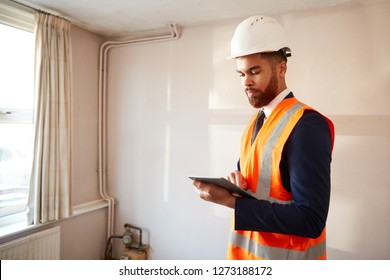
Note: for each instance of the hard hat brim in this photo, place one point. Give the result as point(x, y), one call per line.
point(286, 49)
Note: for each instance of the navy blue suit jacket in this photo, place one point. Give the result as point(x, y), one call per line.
point(305, 171)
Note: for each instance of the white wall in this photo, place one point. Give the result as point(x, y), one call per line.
point(176, 109)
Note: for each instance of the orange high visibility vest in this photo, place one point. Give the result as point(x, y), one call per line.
point(259, 164)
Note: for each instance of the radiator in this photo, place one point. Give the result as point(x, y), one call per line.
point(43, 245)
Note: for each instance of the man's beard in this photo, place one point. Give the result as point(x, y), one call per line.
point(265, 97)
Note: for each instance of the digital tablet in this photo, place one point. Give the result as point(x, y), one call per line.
point(225, 184)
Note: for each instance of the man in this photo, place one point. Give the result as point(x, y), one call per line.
point(286, 164)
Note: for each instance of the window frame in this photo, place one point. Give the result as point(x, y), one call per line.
point(20, 17)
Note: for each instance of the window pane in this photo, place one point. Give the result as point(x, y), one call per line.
point(16, 104)
point(15, 166)
point(16, 68)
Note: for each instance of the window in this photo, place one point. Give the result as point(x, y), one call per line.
point(16, 107)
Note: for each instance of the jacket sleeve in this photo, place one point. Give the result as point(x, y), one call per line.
point(305, 171)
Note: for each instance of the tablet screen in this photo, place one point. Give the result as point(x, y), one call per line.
point(225, 184)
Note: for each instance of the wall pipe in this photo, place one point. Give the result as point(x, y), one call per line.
point(103, 57)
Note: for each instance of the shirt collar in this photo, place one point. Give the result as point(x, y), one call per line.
point(272, 105)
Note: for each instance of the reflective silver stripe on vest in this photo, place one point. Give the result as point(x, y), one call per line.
point(275, 253)
point(264, 180)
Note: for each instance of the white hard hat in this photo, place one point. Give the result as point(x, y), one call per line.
point(258, 34)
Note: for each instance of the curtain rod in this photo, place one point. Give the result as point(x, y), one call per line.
point(39, 10)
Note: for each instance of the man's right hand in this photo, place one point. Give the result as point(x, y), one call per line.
point(238, 179)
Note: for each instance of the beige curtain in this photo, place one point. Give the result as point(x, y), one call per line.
point(50, 185)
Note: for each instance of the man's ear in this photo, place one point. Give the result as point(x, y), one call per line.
point(282, 69)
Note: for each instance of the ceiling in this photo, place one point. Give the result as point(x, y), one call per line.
point(120, 18)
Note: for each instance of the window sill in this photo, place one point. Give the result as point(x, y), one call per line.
point(20, 225)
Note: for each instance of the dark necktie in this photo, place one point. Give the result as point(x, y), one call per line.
point(258, 124)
